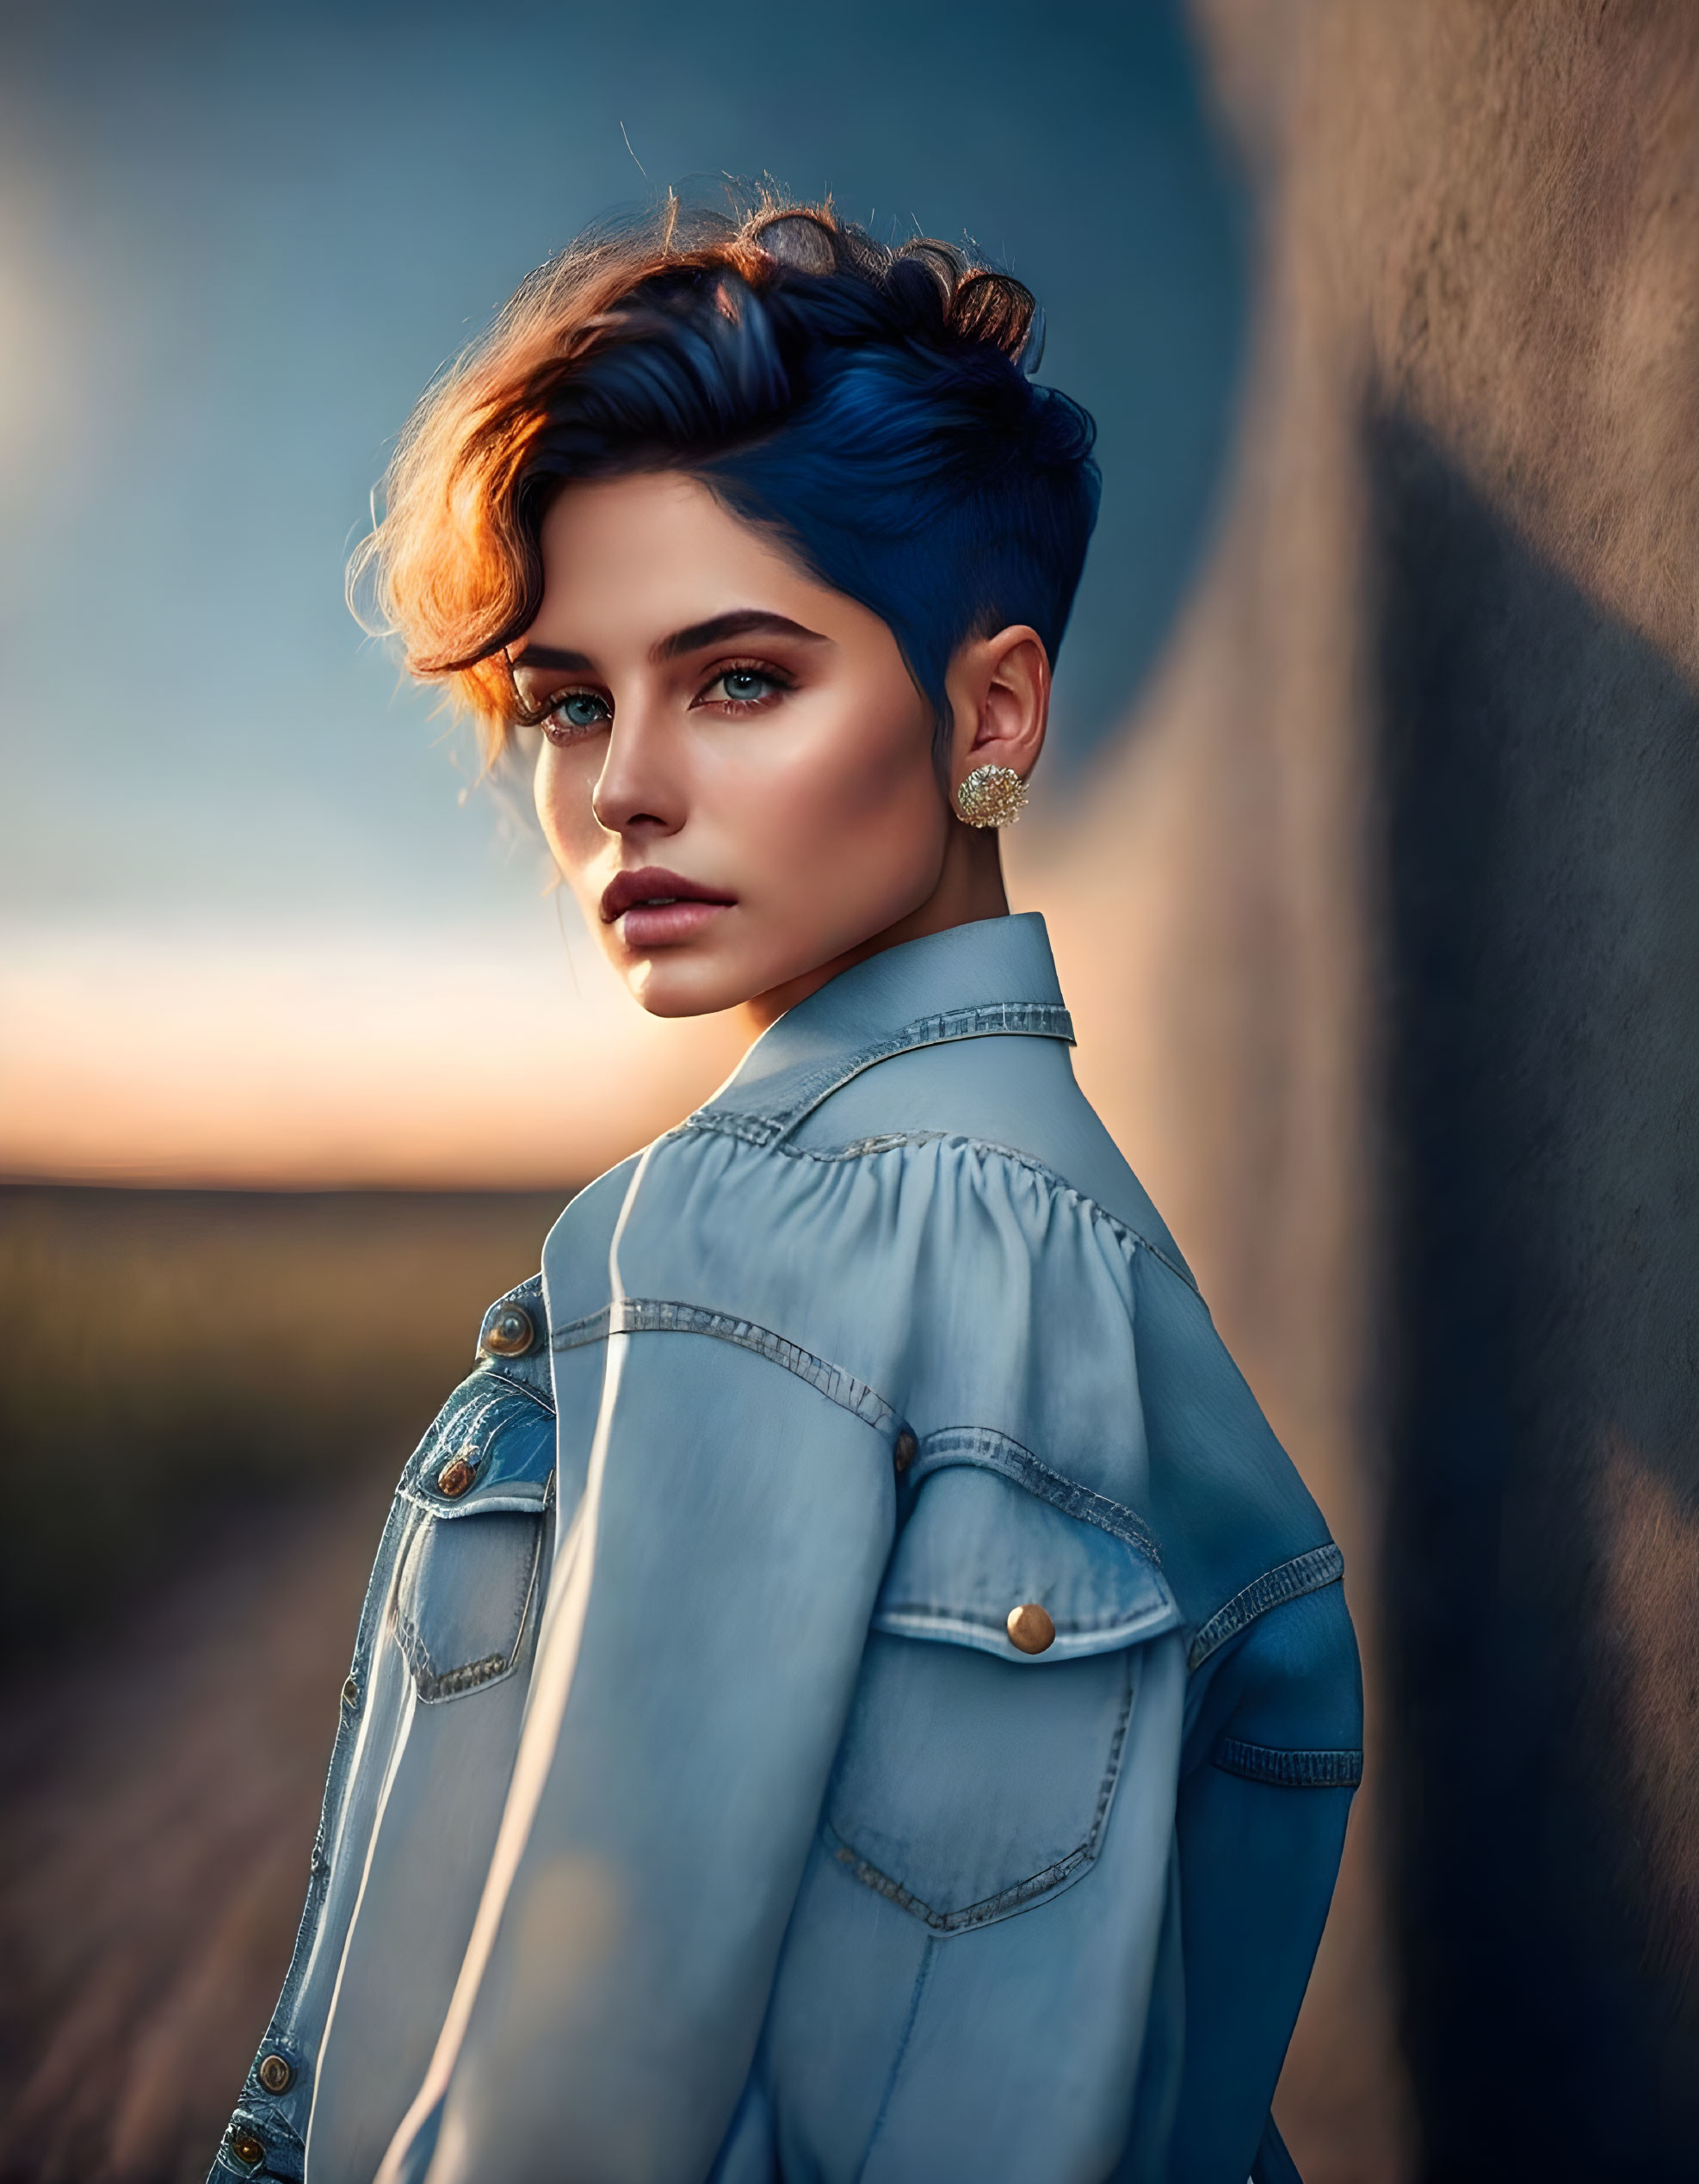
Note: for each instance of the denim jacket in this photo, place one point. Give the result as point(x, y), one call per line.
point(851, 1687)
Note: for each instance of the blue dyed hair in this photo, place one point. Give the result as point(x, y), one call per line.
point(872, 409)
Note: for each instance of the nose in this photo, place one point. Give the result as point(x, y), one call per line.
point(639, 789)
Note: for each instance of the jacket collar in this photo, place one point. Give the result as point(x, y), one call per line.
point(994, 977)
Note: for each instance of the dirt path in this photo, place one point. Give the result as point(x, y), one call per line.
point(157, 1808)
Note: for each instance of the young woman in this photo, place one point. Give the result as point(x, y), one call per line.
point(851, 1687)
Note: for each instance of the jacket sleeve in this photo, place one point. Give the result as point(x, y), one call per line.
point(1271, 1761)
point(1272, 1747)
point(704, 1629)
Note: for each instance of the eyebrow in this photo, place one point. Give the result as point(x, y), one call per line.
point(550, 656)
point(747, 621)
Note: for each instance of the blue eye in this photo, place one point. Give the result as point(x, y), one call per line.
point(580, 709)
point(743, 687)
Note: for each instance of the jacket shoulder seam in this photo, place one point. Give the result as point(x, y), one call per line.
point(895, 1140)
point(1309, 1572)
point(670, 1315)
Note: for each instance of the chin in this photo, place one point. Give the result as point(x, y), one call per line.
point(684, 982)
point(662, 988)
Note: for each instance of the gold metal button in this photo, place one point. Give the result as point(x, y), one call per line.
point(455, 1475)
point(277, 2073)
point(509, 1331)
point(1030, 1628)
point(247, 2150)
point(903, 1454)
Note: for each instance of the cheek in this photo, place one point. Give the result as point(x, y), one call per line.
point(562, 786)
point(863, 799)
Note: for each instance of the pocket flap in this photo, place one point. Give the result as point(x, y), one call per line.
point(492, 1449)
point(978, 1546)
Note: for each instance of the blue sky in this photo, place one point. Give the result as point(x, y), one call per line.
point(236, 240)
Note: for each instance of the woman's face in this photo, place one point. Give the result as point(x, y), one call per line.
point(735, 774)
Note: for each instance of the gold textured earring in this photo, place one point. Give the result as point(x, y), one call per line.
point(992, 796)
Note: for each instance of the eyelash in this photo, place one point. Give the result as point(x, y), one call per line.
point(541, 714)
point(761, 671)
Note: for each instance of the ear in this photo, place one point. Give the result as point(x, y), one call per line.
point(999, 691)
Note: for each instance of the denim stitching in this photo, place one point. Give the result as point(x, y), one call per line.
point(1032, 1019)
point(756, 1131)
point(505, 1371)
point(1289, 1770)
point(1305, 1573)
point(999, 1452)
point(1027, 1019)
point(976, 1914)
point(661, 1316)
point(921, 1977)
point(494, 1502)
point(753, 1129)
point(471, 1675)
point(923, 1621)
point(494, 1387)
point(456, 1680)
point(1022, 1892)
point(1106, 1788)
point(482, 1418)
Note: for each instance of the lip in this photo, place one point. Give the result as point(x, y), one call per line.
point(657, 906)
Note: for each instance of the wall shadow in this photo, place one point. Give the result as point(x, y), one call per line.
point(1540, 768)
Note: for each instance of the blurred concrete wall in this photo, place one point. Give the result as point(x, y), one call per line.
point(1385, 928)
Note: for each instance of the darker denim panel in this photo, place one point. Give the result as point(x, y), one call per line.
point(1305, 1573)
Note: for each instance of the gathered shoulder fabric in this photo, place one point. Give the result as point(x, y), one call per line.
point(851, 1688)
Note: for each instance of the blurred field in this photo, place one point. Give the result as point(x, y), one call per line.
point(204, 1400)
point(172, 1356)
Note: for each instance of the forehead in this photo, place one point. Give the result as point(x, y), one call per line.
point(653, 552)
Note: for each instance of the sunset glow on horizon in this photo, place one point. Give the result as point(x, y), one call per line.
point(489, 1055)
point(488, 1058)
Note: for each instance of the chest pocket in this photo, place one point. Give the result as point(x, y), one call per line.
point(469, 1579)
point(974, 1779)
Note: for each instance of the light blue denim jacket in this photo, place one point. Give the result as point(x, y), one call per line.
point(693, 1815)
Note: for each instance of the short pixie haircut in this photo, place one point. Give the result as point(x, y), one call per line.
point(870, 410)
